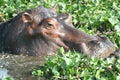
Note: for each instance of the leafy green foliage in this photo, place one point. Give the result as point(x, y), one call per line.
point(75, 66)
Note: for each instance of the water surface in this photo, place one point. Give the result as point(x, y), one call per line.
point(18, 67)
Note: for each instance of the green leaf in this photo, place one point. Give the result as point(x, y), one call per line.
point(117, 28)
point(113, 20)
point(118, 77)
point(8, 78)
point(39, 72)
point(61, 50)
point(55, 71)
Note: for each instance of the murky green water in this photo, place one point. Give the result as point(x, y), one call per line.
point(18, 67)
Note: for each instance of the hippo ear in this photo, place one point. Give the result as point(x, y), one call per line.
point(26, 17)
point(55, 7)
point(66, 17)
point(69, 18)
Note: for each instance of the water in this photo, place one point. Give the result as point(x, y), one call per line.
point(18, 67)
point(4, 73)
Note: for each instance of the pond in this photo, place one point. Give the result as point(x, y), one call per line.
point(18, 67)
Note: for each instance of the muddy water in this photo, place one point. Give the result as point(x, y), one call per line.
point(18, 67)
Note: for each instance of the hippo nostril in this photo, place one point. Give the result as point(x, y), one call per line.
point(104, 38)
point(94, 42)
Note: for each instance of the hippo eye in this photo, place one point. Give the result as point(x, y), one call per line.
point(49, 24)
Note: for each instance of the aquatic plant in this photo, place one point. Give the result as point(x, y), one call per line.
point(76, 66)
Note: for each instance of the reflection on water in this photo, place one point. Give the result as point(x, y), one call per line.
point(4, 73)
point(18, 66)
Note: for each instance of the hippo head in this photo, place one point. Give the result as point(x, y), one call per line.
point(57, 29)
point(43, 30)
